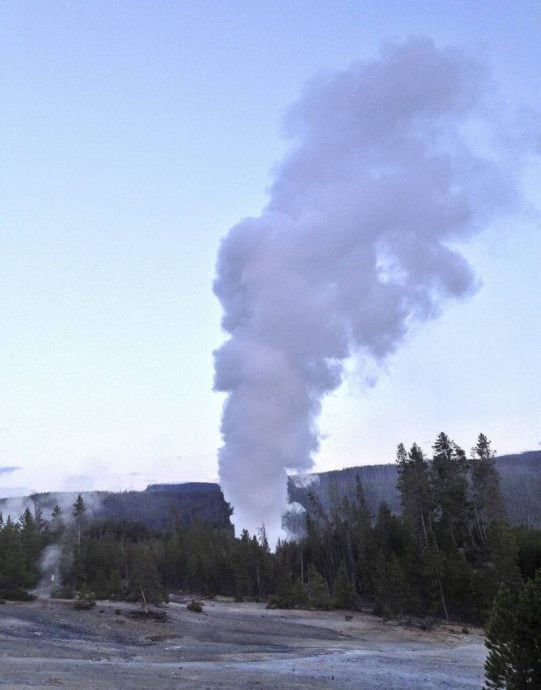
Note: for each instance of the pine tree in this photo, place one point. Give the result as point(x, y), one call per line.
point(418, 501)
point(486, 496)
point(56, 523)
point(449, 481)
point(145, 582)
point(318, 591)
point(362, 540)
point(14, 575)
point(244, 567)
point(79, 512)
point(416, 495)
point(392, 593)
point(345, 596)
point(31, 543)
point(514, 639)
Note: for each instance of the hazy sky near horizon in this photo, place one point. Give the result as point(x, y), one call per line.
point(133, 136)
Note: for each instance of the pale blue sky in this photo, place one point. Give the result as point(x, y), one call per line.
point(134, 134)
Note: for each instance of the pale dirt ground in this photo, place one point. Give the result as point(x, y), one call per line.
point(47, 644)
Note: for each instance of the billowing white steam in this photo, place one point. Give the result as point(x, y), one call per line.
point(353, 247)
point(50, 570)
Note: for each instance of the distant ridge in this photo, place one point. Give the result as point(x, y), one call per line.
point(185, 488)
point(520, 476)
point(160, 505)
point(157, 507)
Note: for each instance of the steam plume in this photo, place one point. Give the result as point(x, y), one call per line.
point(353, 248)
point(50, 570)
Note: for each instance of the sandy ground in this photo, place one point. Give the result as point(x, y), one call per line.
point(47, 644)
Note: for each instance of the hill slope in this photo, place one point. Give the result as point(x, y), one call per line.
point(160, 504)
point(520, 476)
point(156, 507)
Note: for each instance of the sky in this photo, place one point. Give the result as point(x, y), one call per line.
point(133, 136)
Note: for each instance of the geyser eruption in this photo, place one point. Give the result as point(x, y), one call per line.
point(353, 247)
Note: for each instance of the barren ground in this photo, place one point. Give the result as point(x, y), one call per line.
point(47, 644)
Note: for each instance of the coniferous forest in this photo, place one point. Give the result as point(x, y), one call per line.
point(449, 554)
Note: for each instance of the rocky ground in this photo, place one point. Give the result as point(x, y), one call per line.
point(47, 644)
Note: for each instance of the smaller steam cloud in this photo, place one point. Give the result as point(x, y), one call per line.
point(294, 521)
point(357, 244)
point(9, 469)
point(50, 570)
point(15, 506)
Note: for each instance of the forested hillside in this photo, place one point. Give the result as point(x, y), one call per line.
point(159, 506)
point(445, 554)
point(520, 477)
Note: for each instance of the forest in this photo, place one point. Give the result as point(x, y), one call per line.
point(450, 553)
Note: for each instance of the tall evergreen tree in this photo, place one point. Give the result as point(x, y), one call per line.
point(450, 486)
point(485, 493)
point(416, 493)
point(31, 544)
point(419, 503)
point(514, 639)
point(362, 539)
point(14, 575)
point(79, 515)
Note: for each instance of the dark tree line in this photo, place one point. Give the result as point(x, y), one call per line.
point(21, 544)
point(445, 555)
point(449, 554)
point(70, 552)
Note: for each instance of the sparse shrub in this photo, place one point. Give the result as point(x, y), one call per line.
point(293, 596)
point(345, 595)
point(195, 606)
point(318, 592)
point(85, 600)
